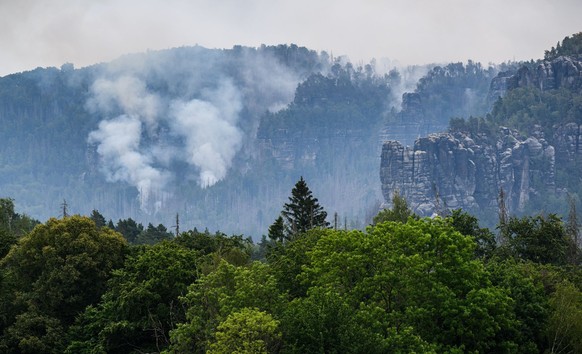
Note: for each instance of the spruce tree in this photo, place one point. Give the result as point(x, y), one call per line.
point(277, 230)
point(98, 218)
point(303, 211)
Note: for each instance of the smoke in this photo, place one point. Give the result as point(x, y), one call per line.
point(119, 146)
point(182, 106)
point(407, 80)
point(127, 94)
point(209, 129)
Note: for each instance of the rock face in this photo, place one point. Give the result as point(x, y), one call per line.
point(456, 170)
point(562, 72)
point(568, 142)
point(412, 122)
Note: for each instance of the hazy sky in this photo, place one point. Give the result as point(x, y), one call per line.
point(51, 32)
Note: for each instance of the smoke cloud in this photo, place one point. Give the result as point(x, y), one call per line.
point(181, 106)
point(209, 129)
point(119, 146)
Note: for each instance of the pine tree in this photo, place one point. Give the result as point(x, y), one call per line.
point(98, 218)
point(303, 211)
point(277, 230)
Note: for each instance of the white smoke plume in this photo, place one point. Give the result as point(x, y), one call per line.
point(127, 94)
point(209, 129)
point(181, 106)
point(119, 147)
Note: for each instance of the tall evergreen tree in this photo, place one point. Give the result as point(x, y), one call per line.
point(98, 218)
point(303, 211)
point(277, 230)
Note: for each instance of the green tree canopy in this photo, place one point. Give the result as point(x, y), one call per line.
point(247, 331)
point(215, 296)
point(12, 225)
point(141, 306)
point(399, 212)
point(98, 218)
point(418, 280)
point(468, 225)
point(569, 46)
point(129, 229)
point(54, 273)
point(539, 239)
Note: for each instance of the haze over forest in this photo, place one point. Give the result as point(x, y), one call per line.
point(37, 33)
point(306, 201)
point(220, 136)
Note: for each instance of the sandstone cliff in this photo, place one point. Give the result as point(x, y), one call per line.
point(562, 72)
point(459, 170)
point(463, 170)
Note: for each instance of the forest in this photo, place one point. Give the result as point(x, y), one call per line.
point(405, 284)
point(388, 281)
point(294, 112)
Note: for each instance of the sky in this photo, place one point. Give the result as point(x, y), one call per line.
point(41, 33)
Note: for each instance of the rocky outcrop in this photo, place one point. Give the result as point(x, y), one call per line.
point(457, 170)
point(412, 122)
point(499, 85)
point(562, 72)
point(568, 142)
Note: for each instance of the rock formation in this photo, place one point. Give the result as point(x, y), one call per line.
point(457, 170)
point(562, 72)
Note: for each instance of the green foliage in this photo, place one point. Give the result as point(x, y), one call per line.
point(153, 234)
point(33, 333)
point(415, 286)
point(12, 225)
point(141, 304)
point(130, 229)
point(570, 46)
point(248, 331)
point(345, 99)
point(216, 247)
point(524, 107)
point(324, 322)
point(539, 239)
point(303, 211)
point(565, 322)
point(454, 90)
point(420, 276)
point(215, 296)
point(400, 212)
point(530, 306)
point(98, 218)
point(287, 261)
point(52, 274)
point(468, 225)
point(277, 230)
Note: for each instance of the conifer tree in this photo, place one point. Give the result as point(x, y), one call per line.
point(98, 218)
point(277, 230)
point(303, 211)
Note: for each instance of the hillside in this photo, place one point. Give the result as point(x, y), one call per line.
point(527, 146)
point(217, 136)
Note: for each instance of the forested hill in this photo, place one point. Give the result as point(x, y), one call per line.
point(119, 136)
point(218, 136)
point(527, 146)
